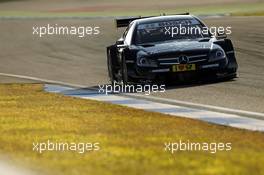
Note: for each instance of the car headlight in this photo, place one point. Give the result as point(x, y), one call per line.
point(145, 62)
point(217, 54)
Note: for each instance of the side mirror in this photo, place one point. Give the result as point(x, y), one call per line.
point(221, 36)
point(120, 41)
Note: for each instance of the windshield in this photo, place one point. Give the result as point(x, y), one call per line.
point(169, 30)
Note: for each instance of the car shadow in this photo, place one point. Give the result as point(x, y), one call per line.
point(197, 82)
point(105, 89)
point(168, 86)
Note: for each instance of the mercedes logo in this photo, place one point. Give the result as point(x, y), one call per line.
point(183, 59)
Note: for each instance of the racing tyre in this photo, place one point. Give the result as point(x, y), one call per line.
point(124, 72)
point(110, 66)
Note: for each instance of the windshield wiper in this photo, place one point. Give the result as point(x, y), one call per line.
point(147, 45)
point(204, 39)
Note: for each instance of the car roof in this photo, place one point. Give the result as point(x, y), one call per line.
point(162, 18)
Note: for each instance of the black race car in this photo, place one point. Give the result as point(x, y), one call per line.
point(151, 50)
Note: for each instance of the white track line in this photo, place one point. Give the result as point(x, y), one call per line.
point(200, 106)
point(152, 98)
point(42, 80)
point(174, 110)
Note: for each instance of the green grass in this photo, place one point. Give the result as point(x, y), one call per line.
point(256, 13)
point(234, 9)
point(132, 141)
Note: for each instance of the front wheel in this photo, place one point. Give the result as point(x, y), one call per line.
point(229, 74)
point(110, 66)
point(124, 72)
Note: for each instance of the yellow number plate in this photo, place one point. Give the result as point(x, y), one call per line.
point(183, 67)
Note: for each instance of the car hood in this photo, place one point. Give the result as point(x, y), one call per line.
point(177, 47)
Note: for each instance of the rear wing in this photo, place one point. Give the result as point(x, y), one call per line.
point(124, 22)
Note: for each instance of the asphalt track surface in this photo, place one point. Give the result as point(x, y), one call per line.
point(82, 60)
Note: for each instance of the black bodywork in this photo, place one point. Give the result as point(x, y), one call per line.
point(129, 61)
